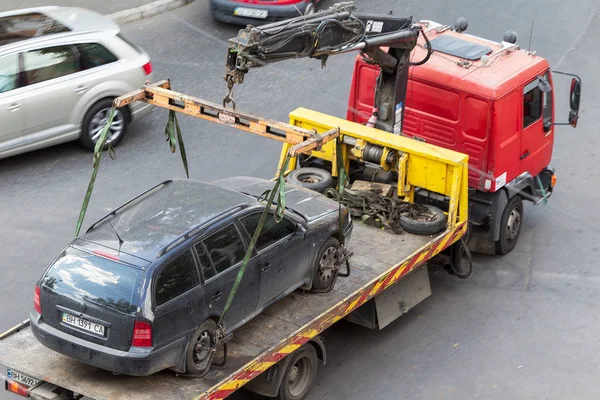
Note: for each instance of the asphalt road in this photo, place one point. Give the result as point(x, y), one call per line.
point(525, 326)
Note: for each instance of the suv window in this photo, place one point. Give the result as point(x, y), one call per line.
point(271, 233)
point(49, 63)
point(20, 27)
point(94, 55)
point(532, 103)
point(176, 277)
point(9, 72)
point(225, 249)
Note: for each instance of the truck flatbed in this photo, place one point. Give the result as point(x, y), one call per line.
point(380, 259)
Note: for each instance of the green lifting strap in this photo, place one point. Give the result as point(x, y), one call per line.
point(98, 150)
point(342, 178)
point(544, 197)
point(170, 129)
point(278, 190)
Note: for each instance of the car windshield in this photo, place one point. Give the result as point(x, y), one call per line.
point(97, 279)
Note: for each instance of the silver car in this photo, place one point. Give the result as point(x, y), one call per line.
point(60, 69)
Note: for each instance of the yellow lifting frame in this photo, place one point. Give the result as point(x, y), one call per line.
point(418, 164)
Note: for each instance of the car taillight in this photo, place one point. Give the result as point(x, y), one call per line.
point(147, 68)
point(17, 388)
point(142, 334)
point(36, 300)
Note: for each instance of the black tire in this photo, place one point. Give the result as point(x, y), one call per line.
point(316, 179)
point(198, 362)
point(300, 374)
point(323, 275)
point(91, 119)
point(435, 223)
point(510, 226)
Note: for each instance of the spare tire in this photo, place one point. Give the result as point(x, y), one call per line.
point(429, 221)
point(316, 179)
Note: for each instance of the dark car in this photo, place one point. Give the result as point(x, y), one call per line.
point(258, 12)
point(144, 285)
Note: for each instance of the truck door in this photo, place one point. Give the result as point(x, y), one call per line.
point(536, 137)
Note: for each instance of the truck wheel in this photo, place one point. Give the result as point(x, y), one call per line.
point(94, 121)
point(199, 354)
point(324, 274)
point(430, 221)
point(299, 374)
point(510, 225)
point(316, 179)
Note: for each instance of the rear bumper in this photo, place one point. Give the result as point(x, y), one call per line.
point(136, 362)
point(222, 10)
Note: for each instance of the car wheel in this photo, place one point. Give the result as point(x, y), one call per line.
point(300, 374)
point(316, 179)
point(510, 226)
point(429, 221)
point(324, 270)
point(94, 121)
point(200, 349)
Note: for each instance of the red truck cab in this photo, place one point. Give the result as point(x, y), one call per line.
point(491, 101)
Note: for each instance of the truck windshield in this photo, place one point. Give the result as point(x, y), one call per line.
point(97, 279)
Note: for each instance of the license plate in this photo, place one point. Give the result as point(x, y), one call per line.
point(21, 378)
point(83, 324)
point(250, 12)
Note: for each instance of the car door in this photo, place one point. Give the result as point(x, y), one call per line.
point(11, 102)
point(283, 258)
point(536, 139)
point(51, 90)
point(178, 299)
point(221, 254)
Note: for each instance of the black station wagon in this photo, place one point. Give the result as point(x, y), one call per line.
point(142, 289)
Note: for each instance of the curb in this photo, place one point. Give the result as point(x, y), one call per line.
point(146, 11)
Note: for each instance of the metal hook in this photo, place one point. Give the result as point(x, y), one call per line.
point(229, 96)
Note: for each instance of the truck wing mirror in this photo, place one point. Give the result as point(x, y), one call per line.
point(574, 99)
point(544, 85)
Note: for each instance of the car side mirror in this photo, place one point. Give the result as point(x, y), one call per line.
point(300, 231)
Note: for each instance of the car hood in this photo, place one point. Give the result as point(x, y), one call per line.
point(310, 204)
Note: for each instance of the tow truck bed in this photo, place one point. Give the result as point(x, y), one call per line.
point(380, 259)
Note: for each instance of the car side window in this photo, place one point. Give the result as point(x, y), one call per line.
point(206, 265)
point(9, 72)
point(93, 55)
point(225, 248)
point(177, 276)
point(532, 103)
point(272, 232)
point(48, 63)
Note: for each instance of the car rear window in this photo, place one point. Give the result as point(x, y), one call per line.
point(96, 279)
point(130, 43)
point(25, 26)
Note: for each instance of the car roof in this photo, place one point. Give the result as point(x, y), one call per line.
point(164, 215)
point(45, 24)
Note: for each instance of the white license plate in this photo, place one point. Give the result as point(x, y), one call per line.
point(250, 12)
point(21, 378)
point(83, 324)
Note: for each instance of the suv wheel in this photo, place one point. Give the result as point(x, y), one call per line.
point(324, 274)
point(94, 121)
point(201, 348)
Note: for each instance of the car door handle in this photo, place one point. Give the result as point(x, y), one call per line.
point(14, 106)
point(266, 267)
point(216, 296)
point(81, 88)
point(525, 155)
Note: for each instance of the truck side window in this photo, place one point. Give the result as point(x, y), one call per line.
point(532, 103)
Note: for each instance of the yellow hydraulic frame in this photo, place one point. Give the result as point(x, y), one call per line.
point(418, 164)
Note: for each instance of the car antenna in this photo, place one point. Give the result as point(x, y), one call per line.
point(121, 241)
point(530, 37)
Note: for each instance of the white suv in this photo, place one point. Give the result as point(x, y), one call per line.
point(60, 69)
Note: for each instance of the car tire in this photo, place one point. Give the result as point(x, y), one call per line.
point(323, 276)
point(94, 121)
point(197, 361)
point(436, 224)
point(316, 179)
point(300, 374)
point(510, 226)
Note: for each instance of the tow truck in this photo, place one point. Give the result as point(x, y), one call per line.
point(277, 354)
